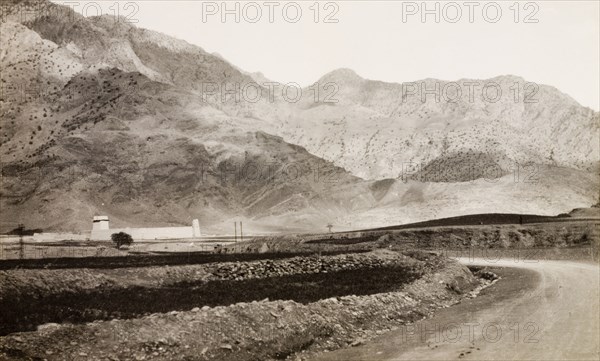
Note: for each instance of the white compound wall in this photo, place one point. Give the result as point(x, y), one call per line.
point(104, 232)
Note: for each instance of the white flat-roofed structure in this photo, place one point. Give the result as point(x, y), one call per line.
point(101, 231)
point(100, 223)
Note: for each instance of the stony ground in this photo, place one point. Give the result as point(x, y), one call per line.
point(258, 330)
point(560, 236)
point(25, 283)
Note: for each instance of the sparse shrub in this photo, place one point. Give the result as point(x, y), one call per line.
point(121, 239)
point(584, 239)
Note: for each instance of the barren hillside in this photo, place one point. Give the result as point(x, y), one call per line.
point(101, 117)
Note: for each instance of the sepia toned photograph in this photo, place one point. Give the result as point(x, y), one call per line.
point(309, 180)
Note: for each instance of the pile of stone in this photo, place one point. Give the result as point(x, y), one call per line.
point(305, 265)
point(258, 330)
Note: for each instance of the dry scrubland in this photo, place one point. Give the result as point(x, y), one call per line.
point(577, 239)
point(31, 249)
point(280, 297)
point(265, 309)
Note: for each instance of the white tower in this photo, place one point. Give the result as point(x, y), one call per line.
point(100, 223)
point(196, 228)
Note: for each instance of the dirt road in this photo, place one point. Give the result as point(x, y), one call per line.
point(538, 310)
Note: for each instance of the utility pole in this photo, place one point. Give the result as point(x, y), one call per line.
point(241, 232)
point(235, 231)
point(21, 230)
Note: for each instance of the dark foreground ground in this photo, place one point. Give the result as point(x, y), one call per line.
point(258, 310)
point(24, 312)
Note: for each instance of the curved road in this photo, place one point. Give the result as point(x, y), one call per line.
point(538, 310)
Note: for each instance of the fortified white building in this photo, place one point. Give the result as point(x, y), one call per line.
point(101, 231)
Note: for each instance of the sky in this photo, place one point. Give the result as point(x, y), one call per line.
point(546, 42)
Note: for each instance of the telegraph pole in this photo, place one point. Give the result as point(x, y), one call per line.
point(235, 231)
point(21, 244)
point(241, 232)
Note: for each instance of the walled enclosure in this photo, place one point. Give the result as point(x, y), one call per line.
point(101, 231)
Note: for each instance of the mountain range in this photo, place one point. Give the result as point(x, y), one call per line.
point(101, 117)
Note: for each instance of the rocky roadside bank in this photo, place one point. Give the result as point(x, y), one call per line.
point(255, 330)
point(26, 284)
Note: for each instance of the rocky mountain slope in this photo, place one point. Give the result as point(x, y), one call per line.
point(118, 143)
point(101, 117)
point(375, 128)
